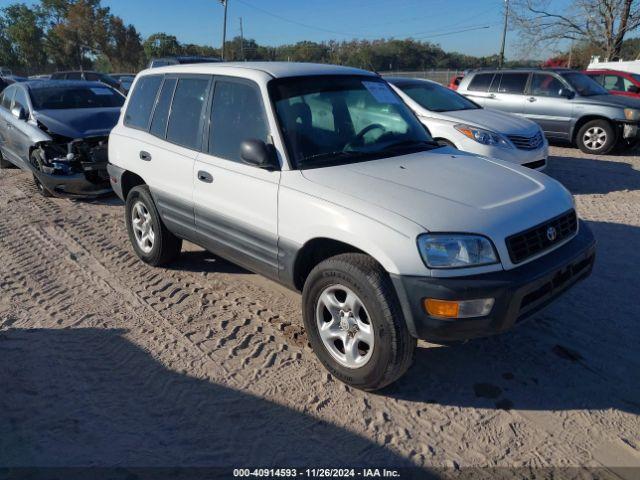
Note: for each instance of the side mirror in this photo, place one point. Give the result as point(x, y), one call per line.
point(633, 89)
point(259, 154)
point(566, 93)
point(19, 112)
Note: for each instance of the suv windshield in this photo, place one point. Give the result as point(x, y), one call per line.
point(331, 120)
point(435, 97)
point(59, 98)
point(583, 84)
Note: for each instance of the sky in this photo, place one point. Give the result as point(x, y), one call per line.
point(472, 27)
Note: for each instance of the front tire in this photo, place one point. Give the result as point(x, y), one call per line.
point(596, 137)
point(151, 239)
point(37, 161)
point(354, 322)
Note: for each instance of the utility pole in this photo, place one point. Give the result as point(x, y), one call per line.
point(241, 41)
point(225, 3)
point(504, 33)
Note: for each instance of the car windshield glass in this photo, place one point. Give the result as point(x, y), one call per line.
point(330, 120)
point(58, 98)
point(436, 98)
point(584, 84)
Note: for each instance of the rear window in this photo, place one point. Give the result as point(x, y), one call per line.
point(481, 82)
point(513, 82)
point(186, 112)
point(142, 100)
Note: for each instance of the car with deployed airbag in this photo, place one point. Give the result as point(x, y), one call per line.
point(58, 131)
point(321, 178)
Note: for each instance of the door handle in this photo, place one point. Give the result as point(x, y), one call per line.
point(532, 99)
point(205, 177)
point(146, 156)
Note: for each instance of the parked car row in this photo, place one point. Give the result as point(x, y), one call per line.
point(324, 179)
point(568, 105)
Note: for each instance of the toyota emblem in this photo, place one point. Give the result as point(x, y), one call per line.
point(552, 234)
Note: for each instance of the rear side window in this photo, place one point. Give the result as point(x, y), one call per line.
point(142, 100)
point(186, 112)
point(481, 82)
point(513, 82)
point(161, 113)
point(237, 115)
point(74, 76)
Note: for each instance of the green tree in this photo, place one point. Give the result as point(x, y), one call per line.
point(161, 45)
point(23, 30)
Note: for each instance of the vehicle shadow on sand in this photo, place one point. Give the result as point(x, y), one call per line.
point(88, 396)
point(593, 175)
point(580, 353)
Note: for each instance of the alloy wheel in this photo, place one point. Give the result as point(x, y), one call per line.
point(595, 138)
point(344, 326)
point(142, 224)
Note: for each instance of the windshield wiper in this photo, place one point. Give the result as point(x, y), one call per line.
point(409, 144)
point(333, 156)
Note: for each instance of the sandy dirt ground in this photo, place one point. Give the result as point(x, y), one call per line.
point(105, 361)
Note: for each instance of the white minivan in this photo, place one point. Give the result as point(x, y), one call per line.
point(321, 178)
point(461, 123)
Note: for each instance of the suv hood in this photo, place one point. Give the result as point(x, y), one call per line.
point(493, 120)
point(447, 190)
point(79, 122)
point(610, 100)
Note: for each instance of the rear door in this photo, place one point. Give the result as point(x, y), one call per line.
point(546, 106)
point(236, 204)
point(507, 92)
point(478, 87)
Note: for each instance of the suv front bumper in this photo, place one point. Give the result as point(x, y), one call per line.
point(518, 293)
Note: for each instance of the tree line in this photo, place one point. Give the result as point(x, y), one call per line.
point(82, 34)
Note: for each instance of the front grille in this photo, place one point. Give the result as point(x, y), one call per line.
point(527, 142)
point(535, 240)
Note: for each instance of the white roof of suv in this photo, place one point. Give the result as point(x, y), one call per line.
point(274, 69)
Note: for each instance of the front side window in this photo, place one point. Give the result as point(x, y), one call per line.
point(20, 100)
point(546, 85)
point(60, 98)
point(237, 115)
point(142, 100)
point(74, 76)
point(329, 120)
point(185, 120)
point(583, 84)
point(481, 82)
point(617, 83)
point(513, 83)
point(436, 98)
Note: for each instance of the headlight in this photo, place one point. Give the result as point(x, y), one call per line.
point(632, 114)
point(450, 250)
point(482, 136)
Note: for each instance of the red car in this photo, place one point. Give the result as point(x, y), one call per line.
point(617, 82)
point(455, 81)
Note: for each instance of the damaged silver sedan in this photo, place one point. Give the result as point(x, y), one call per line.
point(58, 130)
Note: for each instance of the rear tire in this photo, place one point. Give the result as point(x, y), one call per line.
point(596, 137)
point(150, 238)
point(354, 322)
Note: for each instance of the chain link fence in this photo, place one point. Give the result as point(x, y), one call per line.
point(441, 76)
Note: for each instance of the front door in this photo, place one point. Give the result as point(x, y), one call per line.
point(236, 204)
point(547, 105)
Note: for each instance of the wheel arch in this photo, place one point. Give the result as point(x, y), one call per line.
point(588, 118)
point(128, 181)
point(318, 249)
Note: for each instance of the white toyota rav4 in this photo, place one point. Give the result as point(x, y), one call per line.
point(322, 179)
